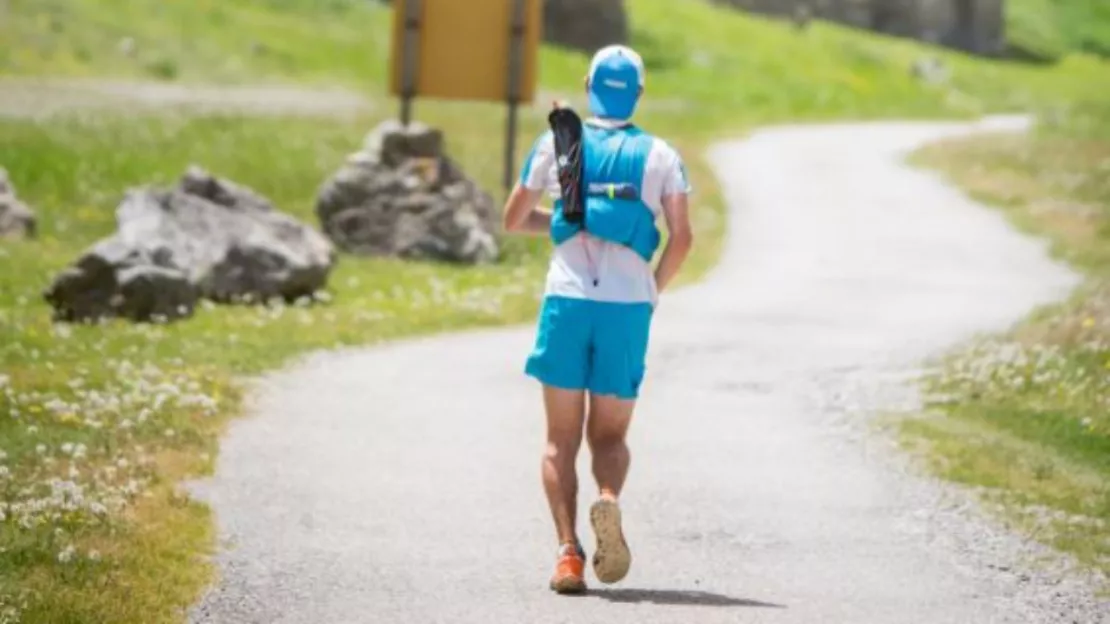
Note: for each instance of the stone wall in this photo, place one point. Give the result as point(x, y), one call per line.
point(972, 25)
point(586, 25)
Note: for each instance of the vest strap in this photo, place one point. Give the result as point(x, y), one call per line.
point(613, 191)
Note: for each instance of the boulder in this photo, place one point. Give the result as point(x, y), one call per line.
point(16, 219)
point(206, 238)
point(930, 70)
point(400, 196)
point(586, 25)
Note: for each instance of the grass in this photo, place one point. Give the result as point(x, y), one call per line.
point(1025, 416)
point(1085, 24)
point(104, 421)
point(213, 40)
point(1033, 30)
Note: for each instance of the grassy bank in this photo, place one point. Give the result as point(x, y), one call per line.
point(691, 49)
point(1050, 29)
point(208, 40)
point(1025, 416)
point(100, 423)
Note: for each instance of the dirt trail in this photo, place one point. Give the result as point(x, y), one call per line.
point(38, 98)
point(401, 483)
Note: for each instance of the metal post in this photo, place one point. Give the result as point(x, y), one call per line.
point(409, 62)
point(516, 49)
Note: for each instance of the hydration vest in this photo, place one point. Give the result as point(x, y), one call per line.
point(613, 172)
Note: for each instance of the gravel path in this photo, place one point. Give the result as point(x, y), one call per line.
point(40, 98)
point(37, 98)
point(401, 483)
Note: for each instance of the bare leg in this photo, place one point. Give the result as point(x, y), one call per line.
point(565, 414)
point(606, 430)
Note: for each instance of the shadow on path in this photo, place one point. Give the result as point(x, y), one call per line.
point(678, 597)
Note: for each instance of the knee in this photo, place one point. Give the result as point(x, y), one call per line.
point(601, 443)
point(560, 451)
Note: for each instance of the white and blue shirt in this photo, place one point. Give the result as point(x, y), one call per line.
point(586, 267)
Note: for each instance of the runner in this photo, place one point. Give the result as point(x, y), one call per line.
point(601, 293)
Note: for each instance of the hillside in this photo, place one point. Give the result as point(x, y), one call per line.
point(738, 62)
point(1050, 29)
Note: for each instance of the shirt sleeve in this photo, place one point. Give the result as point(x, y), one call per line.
point(676, 181)
point(539, 165)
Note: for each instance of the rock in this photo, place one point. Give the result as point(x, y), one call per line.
point(400, 196)
point(126, 46)
point(586, 25)
point(207, 238)
point(930, 69)
point(115, 280)
point(16, 219)
point(802, 15)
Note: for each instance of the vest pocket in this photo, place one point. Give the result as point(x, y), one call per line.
point(612, 219)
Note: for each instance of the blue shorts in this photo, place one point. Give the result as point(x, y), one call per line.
point(591, 345)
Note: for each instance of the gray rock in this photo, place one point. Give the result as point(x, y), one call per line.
point(16, 219)
point(802, 15)
point(206, 238)
point(400, 196)
point(930, 69)
point(394, 143)
point(114, 279)
point(586, 25)
point(126, 46)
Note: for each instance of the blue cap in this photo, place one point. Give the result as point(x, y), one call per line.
point(615, 79)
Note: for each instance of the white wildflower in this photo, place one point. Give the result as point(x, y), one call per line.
point(66, 555)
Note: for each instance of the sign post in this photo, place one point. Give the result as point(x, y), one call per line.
point(410, 57)
point(467, 50)
point(516, 44)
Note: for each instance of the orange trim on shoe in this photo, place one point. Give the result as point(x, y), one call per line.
point(570, 571)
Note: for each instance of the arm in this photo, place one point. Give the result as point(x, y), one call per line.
point(679, 241)
point(521, 212)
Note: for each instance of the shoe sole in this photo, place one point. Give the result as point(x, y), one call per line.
point(612, 559)
point(568, 585)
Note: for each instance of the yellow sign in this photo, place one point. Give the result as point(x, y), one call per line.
point(462, 48)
